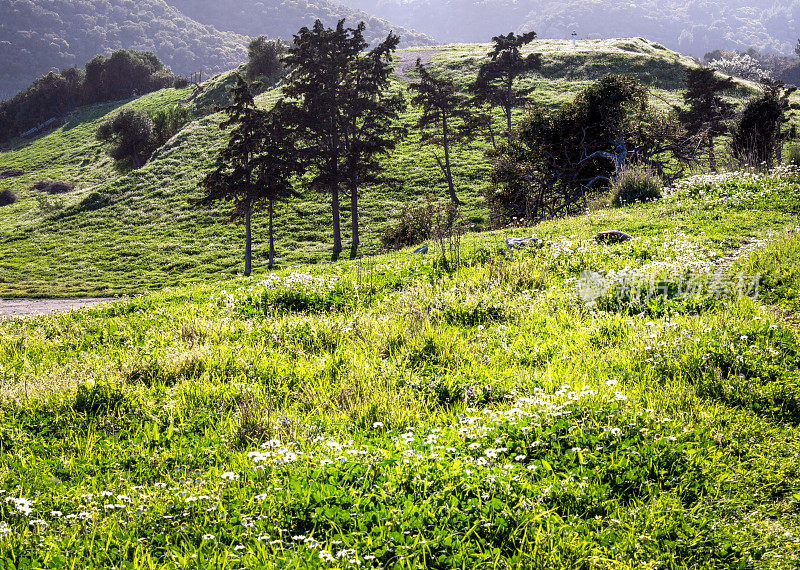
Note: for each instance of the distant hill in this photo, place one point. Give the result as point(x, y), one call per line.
point(187, 35)
point(37, 36)
point(689, 26)
point(283, 18)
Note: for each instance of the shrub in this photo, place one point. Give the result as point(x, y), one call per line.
point(53, 187)
point(7, 197)
point(636, 185)
point(265, 58)
point(131, 134)
point(11, 173)
point(419, 223)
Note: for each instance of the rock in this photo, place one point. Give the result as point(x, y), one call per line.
point(517, 243)
point(612, 236)
point(423, 249)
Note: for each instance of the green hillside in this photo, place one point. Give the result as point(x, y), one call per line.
point(390, 413)
point(136, 232)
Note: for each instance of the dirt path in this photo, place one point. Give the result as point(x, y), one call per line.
point(405, 61)
point(30, 307)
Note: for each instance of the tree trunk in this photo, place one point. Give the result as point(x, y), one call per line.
point(271, 237)
point(247, 242)
point(448, 174)
point(355, 241)
point(337, 230)
point(137, 162)
point(712, 155)
point(509, 105)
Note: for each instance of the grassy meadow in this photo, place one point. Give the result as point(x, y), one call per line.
point(568, 404)
point(461, 409)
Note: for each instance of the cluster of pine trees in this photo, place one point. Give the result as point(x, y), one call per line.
point(339, 115)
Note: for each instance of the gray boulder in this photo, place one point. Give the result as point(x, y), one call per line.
point(612, 236)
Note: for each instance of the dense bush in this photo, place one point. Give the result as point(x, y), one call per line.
point(131, 134)
point(134, 135)
point(53, 187)
point(124, 74)
point(636, 185)
point(265, 58)
point(7, 197)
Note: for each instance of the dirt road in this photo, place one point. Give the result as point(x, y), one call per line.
point(29, 307)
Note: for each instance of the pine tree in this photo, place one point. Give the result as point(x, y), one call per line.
point(757, 137)
point(707, 112)
point(322, 61)
point(276, 164)
point(371, 114)
point(445, 120)
point(496, 77)
point(255, 167)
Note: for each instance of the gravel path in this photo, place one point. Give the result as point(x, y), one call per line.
point(30, 307)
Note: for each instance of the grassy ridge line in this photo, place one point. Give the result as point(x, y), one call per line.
point(138, 233)
point(481, 417)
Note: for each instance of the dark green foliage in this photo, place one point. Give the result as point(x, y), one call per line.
point(265, 58)
point(36, 37)
point(345, 117)
point(414, 225)
point(560, 156)
point(446, 119)
point(124, 74)
point(257, 164)
point(757, 138)
point(706, 112)
point(7, 197)
point(131, 135)
point(496, 78)
point(168, 122)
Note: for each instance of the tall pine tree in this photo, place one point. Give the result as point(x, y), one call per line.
point(497, 77)
point(706, 113)
point(343, 112)
point(446, 118)
point(255, 167)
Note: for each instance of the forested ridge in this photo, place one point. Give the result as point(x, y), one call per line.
point(44, 35)
point(693, 27)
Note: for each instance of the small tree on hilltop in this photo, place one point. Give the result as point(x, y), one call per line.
point(707, 112)
point(265, 58)
point(131, 134)
point(496, 77)
point(445, 113)
point(255, 165)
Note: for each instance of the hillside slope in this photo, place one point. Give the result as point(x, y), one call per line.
point(36, 37)
point(126, 233)
point(695, 26)
point(389, 413)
